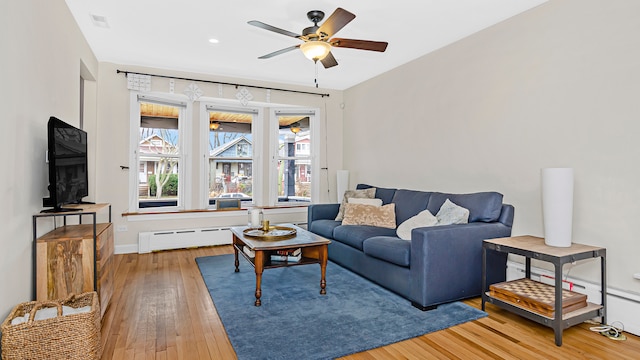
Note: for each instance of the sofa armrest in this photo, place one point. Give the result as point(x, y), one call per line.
point(506, 215)
point(322, 212)
point(446, 261)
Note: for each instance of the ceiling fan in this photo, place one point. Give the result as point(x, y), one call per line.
point(317, 41)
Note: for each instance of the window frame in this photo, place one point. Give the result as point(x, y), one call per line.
point(256, 144)
point(314, 151)
point(184, 133)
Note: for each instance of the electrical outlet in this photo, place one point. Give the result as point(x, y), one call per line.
point(121, 228)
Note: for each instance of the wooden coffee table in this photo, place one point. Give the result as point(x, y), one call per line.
point(314, 251)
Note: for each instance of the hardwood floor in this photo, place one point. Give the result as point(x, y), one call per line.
point(161, 310)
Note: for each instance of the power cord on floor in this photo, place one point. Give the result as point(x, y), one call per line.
point(610, 331)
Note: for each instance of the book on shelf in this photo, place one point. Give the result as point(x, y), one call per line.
point(289, 252)
point(250, 253)
point(286, 258)
point(292, 255)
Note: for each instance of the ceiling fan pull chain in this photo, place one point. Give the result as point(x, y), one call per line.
point(316, 79)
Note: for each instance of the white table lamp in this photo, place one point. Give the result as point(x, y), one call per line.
point(557, 206)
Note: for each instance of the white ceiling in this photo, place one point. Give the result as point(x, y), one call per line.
point(172, 34)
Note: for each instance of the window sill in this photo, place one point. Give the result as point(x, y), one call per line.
point(208, 213)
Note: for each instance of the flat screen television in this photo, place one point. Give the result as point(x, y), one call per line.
point(67, 155)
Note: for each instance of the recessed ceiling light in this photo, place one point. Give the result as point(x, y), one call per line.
point(214, 41)
point(99, 21)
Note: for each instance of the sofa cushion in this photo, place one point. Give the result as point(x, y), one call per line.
point(324, 228)
point(354, 235)
point(384, 194)
point(409, 203)
point(423, 219)
point(359, 214)
point(387, 248)
point(482, 206)
point(365, 193)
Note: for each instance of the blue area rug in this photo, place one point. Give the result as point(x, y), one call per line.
point(296, 322)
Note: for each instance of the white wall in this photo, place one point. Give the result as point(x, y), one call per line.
point(557, 86)
point(42, 50)
point(113, 146)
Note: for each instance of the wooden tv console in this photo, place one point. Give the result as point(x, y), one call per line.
point(74, 258)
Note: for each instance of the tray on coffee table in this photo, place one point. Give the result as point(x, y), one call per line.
point(274, 233)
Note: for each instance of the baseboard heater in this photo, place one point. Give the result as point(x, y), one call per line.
point(622, 306)
point(182, 239)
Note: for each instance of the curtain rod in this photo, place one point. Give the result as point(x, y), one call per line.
point(221, 83)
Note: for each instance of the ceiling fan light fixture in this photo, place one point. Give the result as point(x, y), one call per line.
point(315, 50)
point(214, 126)
point(295, 128)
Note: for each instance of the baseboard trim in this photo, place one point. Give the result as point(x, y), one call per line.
point(125, 249)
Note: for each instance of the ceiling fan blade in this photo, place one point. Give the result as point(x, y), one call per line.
point(262, 25)
point(335, 22)
point(329, 61)
point(281, 51)
point(380, 46)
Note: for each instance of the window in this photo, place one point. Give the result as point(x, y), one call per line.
point(242, 150)
point(257, 154)
point(230, 155)
point(159, 155)
point(302, 148)
point(294, 164)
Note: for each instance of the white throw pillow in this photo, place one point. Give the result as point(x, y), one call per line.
point(422, 219)
point(451, 213)
point(372, 202)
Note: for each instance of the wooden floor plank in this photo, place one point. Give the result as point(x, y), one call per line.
point(499, 346)
point(161, 309)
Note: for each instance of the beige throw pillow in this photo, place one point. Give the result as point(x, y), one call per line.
point(381, 216)
point(422, 219)
point(364, 193)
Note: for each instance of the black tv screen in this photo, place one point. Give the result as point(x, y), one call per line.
point(68, 175)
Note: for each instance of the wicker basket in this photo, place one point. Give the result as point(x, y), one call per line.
point(75, 336)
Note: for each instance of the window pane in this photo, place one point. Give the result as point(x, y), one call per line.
point(156, 187)
point(158, 153)
point(294, 181)
point(230, 156)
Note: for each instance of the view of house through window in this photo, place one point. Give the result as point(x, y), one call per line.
point(230, 155)
point(294, 158)
point(158, 155)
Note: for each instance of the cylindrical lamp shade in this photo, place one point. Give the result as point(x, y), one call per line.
point(343, 183)
point(557, 206)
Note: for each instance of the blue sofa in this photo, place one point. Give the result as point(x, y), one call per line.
point(440, 264)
